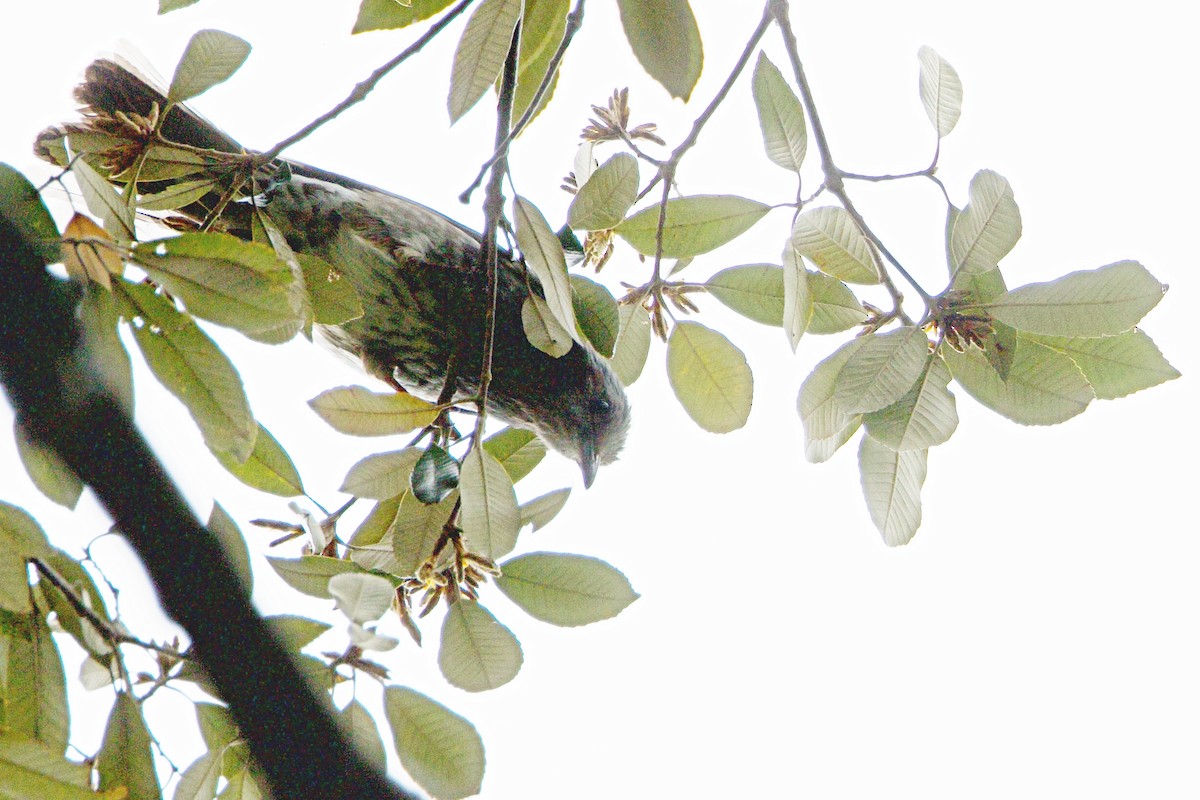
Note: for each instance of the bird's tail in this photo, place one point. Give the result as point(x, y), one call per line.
point(187, 163)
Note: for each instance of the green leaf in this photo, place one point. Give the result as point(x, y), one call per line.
point(20, 538)
point(882, 370)
point(891, 482)
point(30, 770)
point(297, 632)
point(125, 758)
point(541, 328)
point(835, 308)
point(603, 199)
point(81, 583)
point(356, 719)
point(923, 418)
point(710, 377)
point(941, 91)
point(779, 115)
point(694, 225)
point(489, 517)
point(517, 450)
point(99, 314)
point(222, 526)
point(481, 52)
point(596, 313)
point(199, 780)
point(477, 653)
point(177, 195)
point(544, 257)
point(217, 727)
point(633, 343)
point(1115, 366)
point(361, 597)
point(241, 285)
point(988, 228)
point(415, 531)
point(1100, 302)
point(211, 57)
point(330, 293)
point(22, 206)
point(435, 475)
point(382, 475)
point(540, 510)
point(372, 529)
point(192, 368)
point(829, 238)
point(543, 24)
point(268, 468)
point(104, 201)
point(439, 749)
point(827, 426)
point(45, 467)
point(358, 411)
point(1044, 387)
point(310, 574)
point(33, 689)
point(567, 590)
point(797, 296)
point(666, 40)
point(753, 290)
point(379, 15)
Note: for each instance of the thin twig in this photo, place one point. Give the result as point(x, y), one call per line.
point(364, 88)
point(574, 23)
point(493, 209)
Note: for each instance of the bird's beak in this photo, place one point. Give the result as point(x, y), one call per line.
point(588, 464)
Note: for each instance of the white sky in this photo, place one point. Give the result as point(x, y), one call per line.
point(1036, 638)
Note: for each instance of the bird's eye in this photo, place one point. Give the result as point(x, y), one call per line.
point(601, 405)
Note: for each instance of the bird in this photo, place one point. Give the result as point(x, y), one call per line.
point(420, 276)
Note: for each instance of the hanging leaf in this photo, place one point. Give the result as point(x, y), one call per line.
point(988, 228)
point(1115, 366)
point(435, 475)
point(358, 411)
point(104, 201)
point(797, 296)
point(361, 597)
point(567, 590)
point(666, 40)
point(632, 345)
point(834, 306)
point(1099, 302)
point(30, 770)
point(382, 475)
point(489, 517)
point(192, 368)
point(356, 719)
point(90, 258)
point(710, 377)
point(753, 290)
point(481, 52)
point(330, 294)
point(268, 468)
point(941, 91)
point(542, 329)
point(827, 426)
point(891, 482)
point(923, 418)
point(517, 450)
point(601, 202)
point(438, 748)
point(596, 313)
point(1044, 387)
point(33, 689)
point(379, 15)
point(543, 24)
point(177, 195)
point(310, 574)
point(694, 225)
point(779, 115)
point(829, 238)
point(882, 370)
point(211, 57)
point(125, 758)
point(220, 278)
point(226, 531)
point(47, 470)
point(415, 531)
point(22, 206)
point(544, 257)
point(540, 510)
point(477, 652)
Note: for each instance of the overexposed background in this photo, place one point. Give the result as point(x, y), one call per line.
point(1037, 638)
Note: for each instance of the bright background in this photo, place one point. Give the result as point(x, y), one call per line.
point(1037, 638)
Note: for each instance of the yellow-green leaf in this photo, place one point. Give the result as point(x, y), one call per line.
point(477, 653)
point(378, 15)
point(829, 238)
point(517, 450)
point(438, 748)
point(926, 416)
point(30, 770)
point(543, 24)
point(596, 313)
point(779, 115)
point(1115, 366)
point(211, 57)
point(415, 531)
point(603, 199)
point(544, 257)
point(310, 574)
point(827, 426)
point(481, 52)
point(45, 467)
point(542, 329)
point(103, 200)
point(891, 482)
point(694, 225)
point(835, 308)
point(753, 290)
point(941, 91)
point(633, 343)
point(233, 542)
point(710, 377)
point(358, 411)
point(988, 228)
point(540, 510)
point(268, 468)
point(666, 40)
point(882, 370)
point(567, 590)
point(489, 516)
point(125, 758)
point(382, 475)
point(797, 296)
